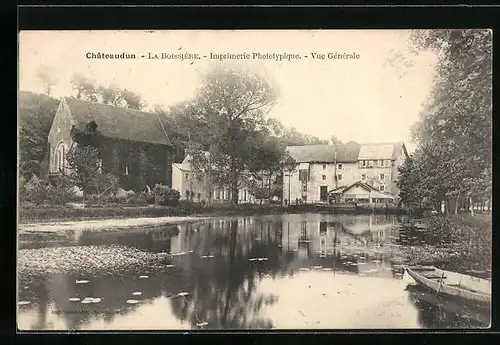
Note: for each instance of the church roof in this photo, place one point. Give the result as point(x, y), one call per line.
point(118, 122)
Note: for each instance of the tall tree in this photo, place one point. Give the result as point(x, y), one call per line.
point(232, 104)
point(48, 78)
point(454, 131)
point(111, 94)
point(84, 87)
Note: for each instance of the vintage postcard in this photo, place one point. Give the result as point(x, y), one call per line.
point(254, 179)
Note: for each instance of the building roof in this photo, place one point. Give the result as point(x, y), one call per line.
point(119, 123)
point(182, 166)
point(324, 153)
point(188, 157)
point(374, 192)
point(381, 151)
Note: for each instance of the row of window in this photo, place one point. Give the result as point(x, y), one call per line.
point(368, 163)
point(376, 162)
point(340, 166)
point(363, 177)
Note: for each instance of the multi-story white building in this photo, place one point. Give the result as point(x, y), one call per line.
point(198, 187)
point(321, 169)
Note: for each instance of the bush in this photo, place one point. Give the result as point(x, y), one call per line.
point(148, 198)
point(35, 190)
point(166, 196)
point(61, 191)
point(187, 206)
point(136, 199)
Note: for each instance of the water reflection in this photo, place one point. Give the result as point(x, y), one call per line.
point(246, 272)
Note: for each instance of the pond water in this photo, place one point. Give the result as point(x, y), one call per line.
point(304, 271)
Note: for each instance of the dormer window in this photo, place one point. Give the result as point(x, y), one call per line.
point(340, 166)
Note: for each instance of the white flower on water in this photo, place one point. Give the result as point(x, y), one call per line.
point(81, 281)
point(88, 300)
point(201, 324)
point(143, 277)
point(132, 301)
point(74, 299)
point(183, 294)
point(137, 293)
point(23, 302)
point(169, 266)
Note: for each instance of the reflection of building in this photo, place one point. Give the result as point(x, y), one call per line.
point(323, 168)
point(321, 237)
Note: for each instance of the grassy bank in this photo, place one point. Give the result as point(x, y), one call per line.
point(32, 214)
point(466, 246)
point(51, 214)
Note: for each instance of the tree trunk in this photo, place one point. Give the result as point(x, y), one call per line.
point(234, 181)
point(261, 190)
point(269, 187)
point(471, 207)
point(456, 205)
point(289, 177)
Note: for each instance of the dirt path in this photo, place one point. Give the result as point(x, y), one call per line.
point(106, 224)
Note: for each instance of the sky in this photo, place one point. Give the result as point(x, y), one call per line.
point(366, 100)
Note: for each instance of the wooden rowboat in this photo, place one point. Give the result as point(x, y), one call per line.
point(451, 283)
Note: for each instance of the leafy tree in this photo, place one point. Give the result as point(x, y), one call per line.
point(46, 75)
point(453, 134)
point(84, 88)
point(83, 162)
point(132, 100)
point(36, 114)
point(110, 95)
point(88, 90)
point(335, 141)
point(288, 166)
point(231, 106)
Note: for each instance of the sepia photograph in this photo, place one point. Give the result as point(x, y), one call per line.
point(254, 180)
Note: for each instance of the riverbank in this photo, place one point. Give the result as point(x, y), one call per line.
point(105, 224)
point(465, 244)
point(52, 214)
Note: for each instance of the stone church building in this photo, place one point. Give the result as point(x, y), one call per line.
point(135, 146)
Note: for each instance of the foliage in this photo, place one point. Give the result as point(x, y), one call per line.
point(47, 77)
point(165, 195)
point(288, 166)
point(83, 162)
point(453, 135)
point(36, 113)
point(103, 184)
point(88, 89)
point(230, 109)
point(38, 191)
point(61, 191)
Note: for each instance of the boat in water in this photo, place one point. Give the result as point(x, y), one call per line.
point(469, 288)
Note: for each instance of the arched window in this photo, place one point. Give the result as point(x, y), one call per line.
point(60, 158)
